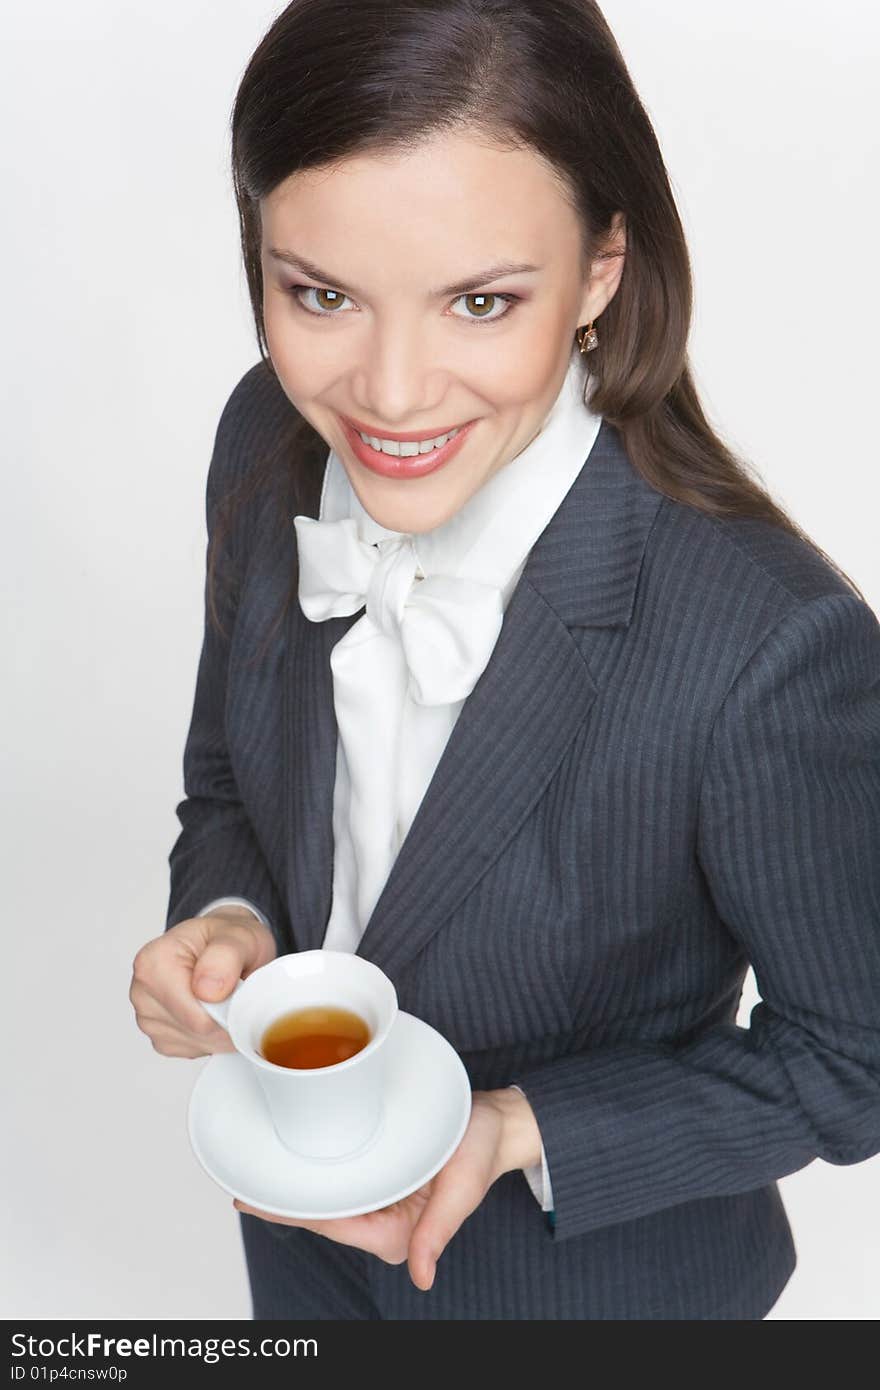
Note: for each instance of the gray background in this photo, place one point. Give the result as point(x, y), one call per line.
point(127, 327)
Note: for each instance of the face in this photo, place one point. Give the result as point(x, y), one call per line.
point(403, 313)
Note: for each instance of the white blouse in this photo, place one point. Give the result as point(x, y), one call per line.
point(393, 726)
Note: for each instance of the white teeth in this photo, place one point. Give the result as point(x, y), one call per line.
point(407, 450)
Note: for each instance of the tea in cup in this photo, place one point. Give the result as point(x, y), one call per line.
point(318, 1036)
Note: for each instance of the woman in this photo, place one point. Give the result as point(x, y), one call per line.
point(563, 724)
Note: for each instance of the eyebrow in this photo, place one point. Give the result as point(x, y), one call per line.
point(473, 282)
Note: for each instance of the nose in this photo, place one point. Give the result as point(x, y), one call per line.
point(400, 382)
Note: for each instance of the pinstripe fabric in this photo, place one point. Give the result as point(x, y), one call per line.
point(670, 768)
point(311, 1277)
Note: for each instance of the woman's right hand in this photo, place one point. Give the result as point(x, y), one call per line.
point(199, 958)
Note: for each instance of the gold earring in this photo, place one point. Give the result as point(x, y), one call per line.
point(588, 338)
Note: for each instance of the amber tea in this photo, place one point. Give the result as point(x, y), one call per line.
point(318, 1036)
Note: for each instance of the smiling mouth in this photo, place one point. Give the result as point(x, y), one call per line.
point(416, 458)
point(406, 449)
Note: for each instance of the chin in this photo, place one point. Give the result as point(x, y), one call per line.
point(406, 522)
point(411, 515)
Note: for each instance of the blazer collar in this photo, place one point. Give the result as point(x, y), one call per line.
point(586, 562)
point(510, 736)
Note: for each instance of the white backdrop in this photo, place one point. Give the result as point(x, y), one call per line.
point(127, 325)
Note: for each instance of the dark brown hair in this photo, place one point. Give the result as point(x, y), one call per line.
point(334, 78)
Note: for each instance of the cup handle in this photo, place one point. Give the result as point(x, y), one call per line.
point(220, 1011)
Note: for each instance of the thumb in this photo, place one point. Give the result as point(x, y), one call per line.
point(449, 1204)
point(218, 969)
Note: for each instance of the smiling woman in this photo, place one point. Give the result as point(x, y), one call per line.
point(404, 357)
point(551, 673)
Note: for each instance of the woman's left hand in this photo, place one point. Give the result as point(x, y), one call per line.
point(502, 1134)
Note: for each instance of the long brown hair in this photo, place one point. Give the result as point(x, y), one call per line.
point(334, 78)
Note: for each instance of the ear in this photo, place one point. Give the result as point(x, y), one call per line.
point(605, 272)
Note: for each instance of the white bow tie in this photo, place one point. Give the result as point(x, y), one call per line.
point(446, 626)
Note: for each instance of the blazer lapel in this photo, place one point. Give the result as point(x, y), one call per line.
point(513, 730)
point(508, 740)
point(310, 771)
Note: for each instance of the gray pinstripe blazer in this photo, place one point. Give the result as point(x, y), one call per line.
point(669, 769)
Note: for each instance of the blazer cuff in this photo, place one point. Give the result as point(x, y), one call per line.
point(236, 902)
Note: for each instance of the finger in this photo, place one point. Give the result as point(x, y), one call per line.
point(379, 1235)
point(165, 1032)
point(451, 1202)
point(148, 1008)
point(171, 1042)
point(385, 1237)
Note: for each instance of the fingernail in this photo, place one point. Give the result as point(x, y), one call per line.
point(210, 983)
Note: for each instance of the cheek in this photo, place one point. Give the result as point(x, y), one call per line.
point(299, 372)
point(279, 340)
point(529, 375)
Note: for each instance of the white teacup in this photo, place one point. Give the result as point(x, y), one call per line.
point(318, 1112)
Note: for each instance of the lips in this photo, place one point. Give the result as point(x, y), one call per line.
point(394, 466)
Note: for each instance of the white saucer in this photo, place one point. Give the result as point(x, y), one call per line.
point(427, 1108)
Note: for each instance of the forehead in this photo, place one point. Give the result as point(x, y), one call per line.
point(439, 204)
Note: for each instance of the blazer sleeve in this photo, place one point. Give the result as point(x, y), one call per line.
point(216, 855)
point(788, 838)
